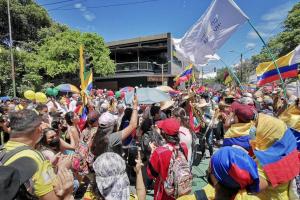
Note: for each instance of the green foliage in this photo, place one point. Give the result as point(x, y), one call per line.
point(26, 77)
point(285, 41)
point(27, 18)
point(220, 75)
point(58, 55)
point(43, 49)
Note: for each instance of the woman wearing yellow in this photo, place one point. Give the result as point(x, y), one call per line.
point(277, 157)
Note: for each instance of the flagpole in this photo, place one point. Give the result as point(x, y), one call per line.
point(271, 55)
point(233, 74)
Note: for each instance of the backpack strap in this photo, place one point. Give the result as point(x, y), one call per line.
point(200, 195)
point(6, 155)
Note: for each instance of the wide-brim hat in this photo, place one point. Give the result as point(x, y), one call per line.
point(166, 104)
point(202, 103)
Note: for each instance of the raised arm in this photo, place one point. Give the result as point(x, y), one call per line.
point(133, 121)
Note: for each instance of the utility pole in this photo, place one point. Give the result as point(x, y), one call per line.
point(11, 51)
point(202, 74)
point(241, 67)
point(162, 74)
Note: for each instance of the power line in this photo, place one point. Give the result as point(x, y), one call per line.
point(66, 5)
point(108, 5)
point(58, 2)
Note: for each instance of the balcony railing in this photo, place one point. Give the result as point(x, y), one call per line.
point(139, 66)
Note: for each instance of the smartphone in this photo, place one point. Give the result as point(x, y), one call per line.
point(135, 91)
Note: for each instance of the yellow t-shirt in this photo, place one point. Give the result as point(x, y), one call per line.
point(210, 194)
point(42, 179)
point(280, 192)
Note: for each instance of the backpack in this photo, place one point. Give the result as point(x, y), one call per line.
point(5, 156)
point(179, 179)
point(23, 191)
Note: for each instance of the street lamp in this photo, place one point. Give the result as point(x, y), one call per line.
point(162, 70)
point(241, 60)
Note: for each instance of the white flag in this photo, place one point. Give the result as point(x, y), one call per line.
point(211, 31)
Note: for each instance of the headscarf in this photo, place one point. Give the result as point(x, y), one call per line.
point(269, 129)
point(275, 147)
point(235, 169)
point(291, 116)
point(238, 130)
point(111, 177)
point(238, 134)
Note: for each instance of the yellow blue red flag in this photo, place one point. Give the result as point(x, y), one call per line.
point(266, 72)
point(185, 75)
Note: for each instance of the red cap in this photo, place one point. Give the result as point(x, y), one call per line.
point(170, 126)
point(110, 93)
point(123, 95)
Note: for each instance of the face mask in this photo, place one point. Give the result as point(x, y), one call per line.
point(54, 143)
point(252, 132)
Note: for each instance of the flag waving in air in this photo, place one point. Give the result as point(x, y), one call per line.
point(210, 32)
point(266, 72)
point(86, 72)
point(185, 75)
point(86, 79)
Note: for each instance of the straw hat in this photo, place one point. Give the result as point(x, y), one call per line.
point(166, 104)
point(202, 103)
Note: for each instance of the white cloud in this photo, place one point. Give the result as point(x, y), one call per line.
point(278, 13)
point(250, 45)
point(271, 21)
point(88, 15)
point(77, 5)
point(253, 35)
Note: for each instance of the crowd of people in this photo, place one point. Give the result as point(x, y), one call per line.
point(121, 150)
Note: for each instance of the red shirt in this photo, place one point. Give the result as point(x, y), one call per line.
point(158, 169)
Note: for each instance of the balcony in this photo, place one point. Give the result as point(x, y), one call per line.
point(139, 67)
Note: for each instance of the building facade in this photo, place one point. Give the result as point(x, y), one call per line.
point(143, 61)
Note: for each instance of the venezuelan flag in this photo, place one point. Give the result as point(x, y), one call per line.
point(280, 161)
point(291, 116)
point(238, 134)
point(185, 75)
point(266, 72)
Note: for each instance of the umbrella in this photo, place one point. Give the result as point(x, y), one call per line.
point(67, 88)
point(5, 98)
point(127, 89)
point(147, 96)
point(165, 88)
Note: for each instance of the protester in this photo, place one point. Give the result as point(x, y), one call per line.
point(275, 148)
point(185, 135)
point(73, 133)
point(260, 145)
point(108, 140)
point(111, 181)
point(160, 159)
point(26, 129)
